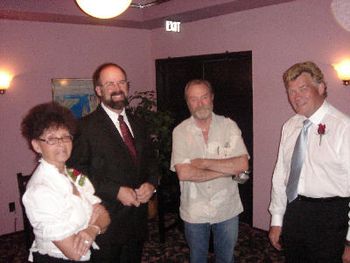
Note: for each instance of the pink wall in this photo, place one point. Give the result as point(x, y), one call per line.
point(37, 52)
point(278, 36)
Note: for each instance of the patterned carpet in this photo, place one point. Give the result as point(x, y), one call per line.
point(252, 247)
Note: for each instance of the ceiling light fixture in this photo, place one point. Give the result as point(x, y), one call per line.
point(103, 9)
point(147, 3)
point(341, 12)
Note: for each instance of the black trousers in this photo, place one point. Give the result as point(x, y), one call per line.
point(314, 230)
point(39, 258)
point(113, 252)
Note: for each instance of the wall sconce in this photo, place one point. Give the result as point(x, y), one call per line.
point(103, 9)
point(343, 71)
point(5, 80)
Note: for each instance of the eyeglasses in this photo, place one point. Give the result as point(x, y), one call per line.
point(56, 140)
point(112, 84)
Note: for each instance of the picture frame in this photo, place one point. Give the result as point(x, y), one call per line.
point(76, 94)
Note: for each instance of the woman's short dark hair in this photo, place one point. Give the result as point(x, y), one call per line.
point(46, 116)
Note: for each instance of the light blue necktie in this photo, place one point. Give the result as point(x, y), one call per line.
point(297, 162)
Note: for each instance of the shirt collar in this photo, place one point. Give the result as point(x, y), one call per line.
point(113, 115)
point(53, 174)
point(193, 121)
point(317, 117)
point(48, 165)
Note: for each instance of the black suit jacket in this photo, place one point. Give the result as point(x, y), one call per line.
point(100, 152)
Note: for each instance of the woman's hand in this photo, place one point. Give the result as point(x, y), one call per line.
point(76, 245)
point(100, 219)
point(83, 240)
point(98, 210)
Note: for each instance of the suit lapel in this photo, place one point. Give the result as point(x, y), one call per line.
point(105, 123)
point(110, 130)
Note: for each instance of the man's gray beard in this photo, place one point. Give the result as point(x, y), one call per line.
point(117, 105)
point(202, 114)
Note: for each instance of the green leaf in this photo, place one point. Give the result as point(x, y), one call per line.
point(159, 124)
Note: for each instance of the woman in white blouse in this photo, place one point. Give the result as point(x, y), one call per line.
point(60, 203)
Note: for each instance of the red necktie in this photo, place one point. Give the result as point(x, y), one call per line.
point(128, 139)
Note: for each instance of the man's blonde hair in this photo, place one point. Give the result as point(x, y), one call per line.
point(308, 67)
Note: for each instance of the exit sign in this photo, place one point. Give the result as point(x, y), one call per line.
point(172, 26)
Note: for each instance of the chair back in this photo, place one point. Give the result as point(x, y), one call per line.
point(22, 181)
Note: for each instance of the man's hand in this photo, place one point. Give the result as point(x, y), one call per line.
point(144, 192)
point(274, 236)
point(127, 196)
point(346, 255)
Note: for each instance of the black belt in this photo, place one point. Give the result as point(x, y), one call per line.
point(322, 199)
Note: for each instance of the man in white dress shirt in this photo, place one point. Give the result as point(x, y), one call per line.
point(207, 150)
point(313, 227)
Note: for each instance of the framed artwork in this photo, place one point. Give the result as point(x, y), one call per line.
point(78, 95)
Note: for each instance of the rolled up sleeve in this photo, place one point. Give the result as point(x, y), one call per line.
point(52, 216)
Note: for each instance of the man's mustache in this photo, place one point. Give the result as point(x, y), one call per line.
point(203, 108)
point(116, 93)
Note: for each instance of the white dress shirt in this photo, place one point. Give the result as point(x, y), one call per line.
point(114, 117)
point(216, 200)
point(326, 168)
point(54, 211)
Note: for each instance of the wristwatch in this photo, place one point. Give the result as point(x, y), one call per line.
point(242, 177)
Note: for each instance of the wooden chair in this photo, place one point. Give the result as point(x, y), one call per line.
point(22, 181)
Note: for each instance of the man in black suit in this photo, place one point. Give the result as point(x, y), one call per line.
point(124, 175)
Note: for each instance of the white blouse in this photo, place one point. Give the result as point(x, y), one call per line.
point(54, 211)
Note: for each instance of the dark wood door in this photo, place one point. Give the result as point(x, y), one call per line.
point(231, 77)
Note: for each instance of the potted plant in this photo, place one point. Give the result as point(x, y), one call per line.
point(143, 104)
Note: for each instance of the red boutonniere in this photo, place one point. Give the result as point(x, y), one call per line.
point(76, 175)
point(321, 131)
